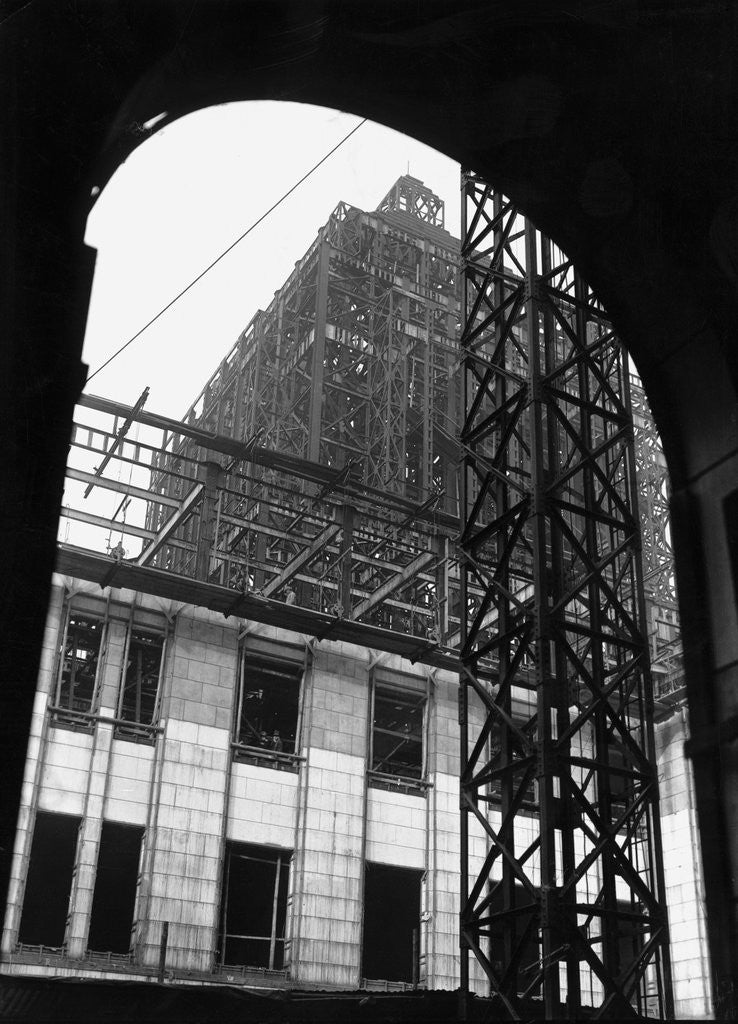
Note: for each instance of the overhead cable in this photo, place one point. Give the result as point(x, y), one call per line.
point(226, 251)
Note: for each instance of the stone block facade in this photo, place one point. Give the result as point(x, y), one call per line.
point(198, 799)
point(683, 872)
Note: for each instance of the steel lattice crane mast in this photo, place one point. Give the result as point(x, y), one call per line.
point(562, 880)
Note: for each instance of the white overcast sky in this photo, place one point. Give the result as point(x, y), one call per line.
point(186, 194)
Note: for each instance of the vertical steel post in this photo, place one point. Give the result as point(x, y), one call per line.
point(343, 596)
point(212, 478)
point(163, 951)
point(275, 907)
point(542, 638)
point(318, 364)
point(465, 497)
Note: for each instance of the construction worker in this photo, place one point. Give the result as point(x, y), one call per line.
point(118, 552)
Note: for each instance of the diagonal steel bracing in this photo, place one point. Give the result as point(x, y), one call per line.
point(172, 524)
point(562, 883)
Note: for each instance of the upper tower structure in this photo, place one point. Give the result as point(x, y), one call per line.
point(354, 364)
point(409, 195)
point(353, 360)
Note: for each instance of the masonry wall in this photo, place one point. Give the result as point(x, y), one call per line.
point(190, 796)
point(187, 833)
point(35, 759)
point(683, 872)
point(331, 829)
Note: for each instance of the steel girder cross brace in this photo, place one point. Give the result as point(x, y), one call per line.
point(562, 880)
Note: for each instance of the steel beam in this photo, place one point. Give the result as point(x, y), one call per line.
point(87, 565)
point(127, 423)
point(119, 486)
point(292, 568)
point(403, 577)
point(172, 524)
point(104, 522)
point(277, 461)
point(567, 905)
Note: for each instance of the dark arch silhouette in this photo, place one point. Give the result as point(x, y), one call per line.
point(612, 125)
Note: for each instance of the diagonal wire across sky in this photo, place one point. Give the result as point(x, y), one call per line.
point(225, 252)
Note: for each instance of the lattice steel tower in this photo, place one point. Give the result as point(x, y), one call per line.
point(659, 583)
point(562, 887)
point(352, 360)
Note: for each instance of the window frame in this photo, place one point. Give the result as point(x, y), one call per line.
point(282, 860)
point(130, 729)
point(65, 891)
point(261, 755)
point(393, 780)
point(139, 831)
point(63, 715)
point(529, 806)
point(373, 870)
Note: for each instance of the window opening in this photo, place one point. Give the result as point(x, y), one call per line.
point(139, 695)
point(116, 885)
point(730, 513)
point(523, 933)
point(254, 906)
point(620, 778)
point(269, 704)
point(521, 777)
point(397, 733)
point(79, 663)
point(391, 915)
point(49, 880)
point(632, 933)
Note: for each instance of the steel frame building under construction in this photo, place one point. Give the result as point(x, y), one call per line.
point(249, 733)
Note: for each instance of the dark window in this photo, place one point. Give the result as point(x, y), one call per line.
point(520, 776)
point(619, 778)
point(631, 933)
point(397, 735)
point(254, 906)
point(514, 935)
point(391, 915)
point(116, 879)
point(270, 700)
point(80, 658)
point(141, 679)
point(49, 880)
point(730, 512)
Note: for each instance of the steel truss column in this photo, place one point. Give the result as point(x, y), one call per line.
point(654, 493)
point(558, 779)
